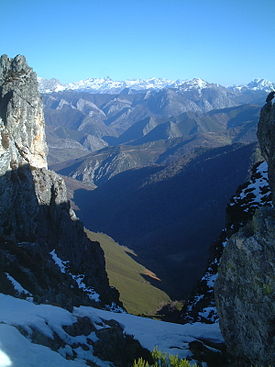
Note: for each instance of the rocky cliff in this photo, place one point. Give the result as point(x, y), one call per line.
point(266, 137)
point(251, 195)
point(245, 285)
point(42, 243)
point(22, 122)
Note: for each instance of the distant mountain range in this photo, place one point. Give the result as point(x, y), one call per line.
point(78, 123)
point(160, 163)
point(107, 85)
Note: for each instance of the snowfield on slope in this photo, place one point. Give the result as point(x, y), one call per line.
point(17, 350)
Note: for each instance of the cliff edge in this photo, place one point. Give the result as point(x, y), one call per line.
point(266, 137)
point(43, 246)
point(244, 288)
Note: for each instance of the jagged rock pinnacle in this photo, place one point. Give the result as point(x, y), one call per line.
point(22, 127)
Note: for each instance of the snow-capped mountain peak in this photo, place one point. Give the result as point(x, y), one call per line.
point(195, 83)
point(108, 85)
point(257, 84)
point(102, 85)
point(261, 84)
point(50, 85)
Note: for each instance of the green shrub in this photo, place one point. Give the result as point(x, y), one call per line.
point(140, 363)
point(163, 360)
point(267, 289)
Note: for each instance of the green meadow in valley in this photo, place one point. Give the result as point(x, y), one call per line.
point(126, 274)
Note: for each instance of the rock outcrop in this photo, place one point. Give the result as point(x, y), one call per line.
point(251, 195)
point(245, 285)
point(22, 126)
point(42, 243)
point(266, 137)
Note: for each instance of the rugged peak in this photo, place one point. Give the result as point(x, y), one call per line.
point(22, 129)
point(17, 64)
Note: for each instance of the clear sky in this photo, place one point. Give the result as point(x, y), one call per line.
point(223, 41)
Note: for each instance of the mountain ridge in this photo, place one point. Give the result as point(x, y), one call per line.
point(109, 85)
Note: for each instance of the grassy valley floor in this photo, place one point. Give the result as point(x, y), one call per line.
point(128, 276)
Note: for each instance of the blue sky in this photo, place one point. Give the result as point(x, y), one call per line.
point(223, 41)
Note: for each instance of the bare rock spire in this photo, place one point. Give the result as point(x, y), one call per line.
point(22, 127)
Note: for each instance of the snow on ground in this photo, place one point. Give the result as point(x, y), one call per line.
point(256, 192)
point(168, 337)
point(48, 320)
point(18, 351)
point(209, 313)
point(17, 286)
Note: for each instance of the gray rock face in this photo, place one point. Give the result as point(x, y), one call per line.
point(21, 116)
point(244, 291)
point(35, 215)
point(266, 137)
point(245, 285)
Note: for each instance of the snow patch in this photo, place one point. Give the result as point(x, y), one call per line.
point(256, 192)
point(63, 266)
point(168, 337)
point(92, 294)
point(18, 351)
point(210, 279)
point(209, 313)
point(17, 286)
point(4, 359)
